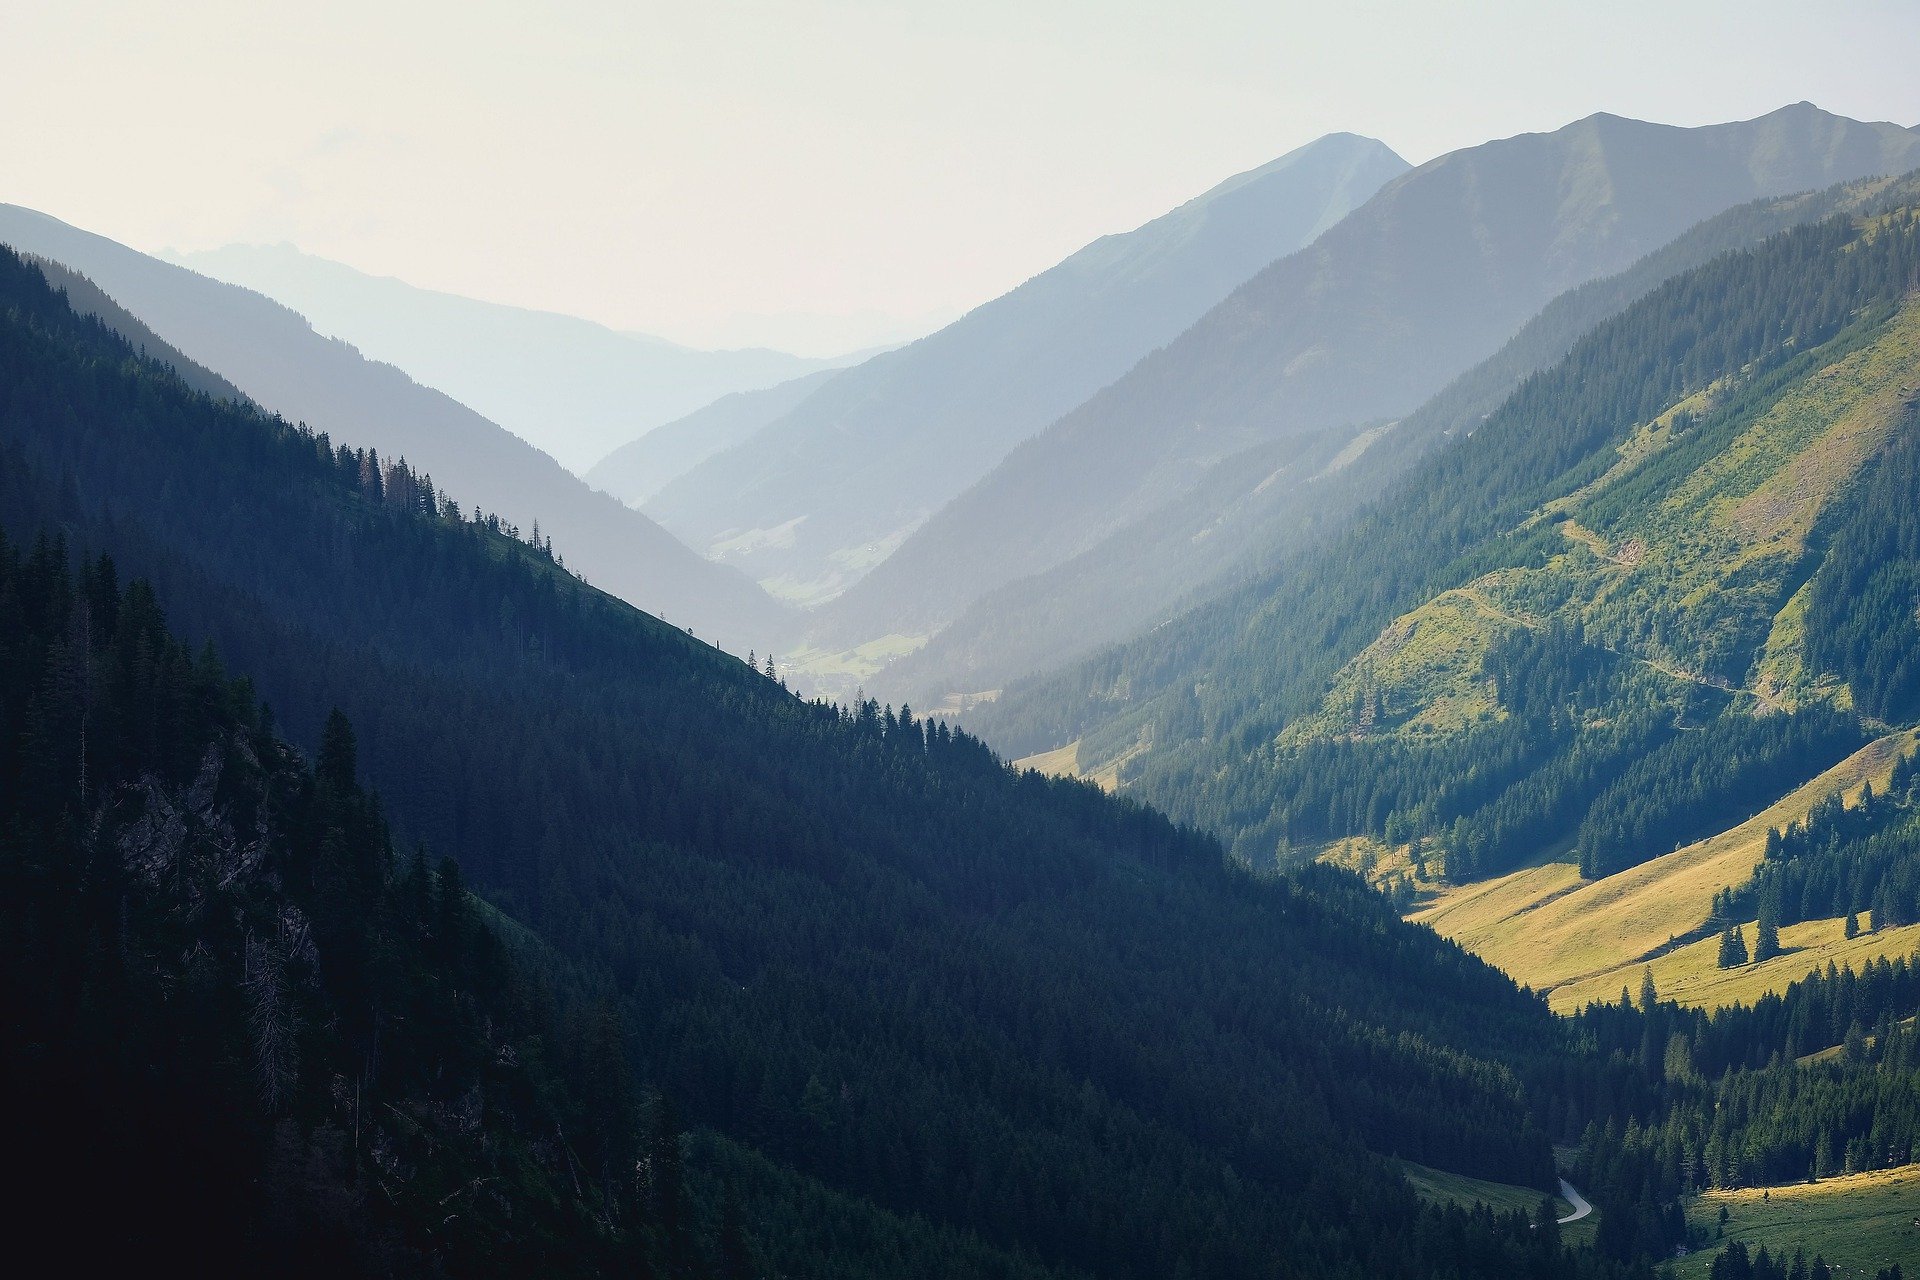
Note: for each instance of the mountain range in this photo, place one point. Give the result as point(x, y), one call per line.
point(570, 387)
point(1660, 589)
point(276, 358)
point(1261, 505)
point(1429, 277)
point(817, 497)
point(1462, 687)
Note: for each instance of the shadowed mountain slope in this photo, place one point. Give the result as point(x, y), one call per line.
point(274, 356)
point(997, 1007)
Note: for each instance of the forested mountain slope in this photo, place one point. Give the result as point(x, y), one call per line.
point(87, 298)
point(989, 1009)
point(1798, 1086)
point(1671, 580)
point(1597, 622)
point(819, 497)
point(572, 388)
point(276, 358)
point(232, 1014)
point(1429, 277)
point(638, 469)
point(1257, 507)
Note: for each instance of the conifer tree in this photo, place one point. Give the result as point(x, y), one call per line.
point(338, 765)
point(668, 1177)
point(1733, 948)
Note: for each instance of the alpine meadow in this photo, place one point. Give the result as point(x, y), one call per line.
point(853, 642)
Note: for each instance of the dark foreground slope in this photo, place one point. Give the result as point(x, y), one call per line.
point(233, 1026)
point(1041, 1024)
point(275, 357)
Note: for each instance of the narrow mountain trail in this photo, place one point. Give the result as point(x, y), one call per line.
point(1579, 1202)
point(1478, 598)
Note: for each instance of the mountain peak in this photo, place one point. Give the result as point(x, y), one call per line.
point(803, 505)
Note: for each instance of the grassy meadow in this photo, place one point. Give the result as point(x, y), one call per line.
point(1858, 1223)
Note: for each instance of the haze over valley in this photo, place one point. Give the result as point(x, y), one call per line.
point(1027, 643)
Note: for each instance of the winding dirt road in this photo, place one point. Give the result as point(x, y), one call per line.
point(1579, 1202)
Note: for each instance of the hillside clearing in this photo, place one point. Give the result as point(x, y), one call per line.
point(1436, 1186)
point(1858, 1223)
point(1061, 762)
point(1691, 975)
point(1551, 930)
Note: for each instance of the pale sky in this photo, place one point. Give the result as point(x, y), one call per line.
point(684, 168)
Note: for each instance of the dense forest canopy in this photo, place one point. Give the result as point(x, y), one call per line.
point(1013, 1018)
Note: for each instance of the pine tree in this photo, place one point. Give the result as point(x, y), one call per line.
point(736, 1254)
point(668, 1176)
point(338, 765)
point(1766, 938)
point(1733, 948)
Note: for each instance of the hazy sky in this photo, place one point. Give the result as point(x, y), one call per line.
point(685, 168)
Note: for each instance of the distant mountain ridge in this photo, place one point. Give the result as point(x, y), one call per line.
point(573, 388)
point(818, 497)
point(1264, 504)
point(273, 355)
point(1443, 265)
point(641, 468)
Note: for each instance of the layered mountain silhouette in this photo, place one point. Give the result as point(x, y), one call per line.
point(1647, 557)
point(574, 388)
point(1261, 505)
point(641, 468)
point(1434, 273)
point(821, 495)
point(274, 356)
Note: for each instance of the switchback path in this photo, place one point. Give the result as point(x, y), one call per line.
point(1579, 1202)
